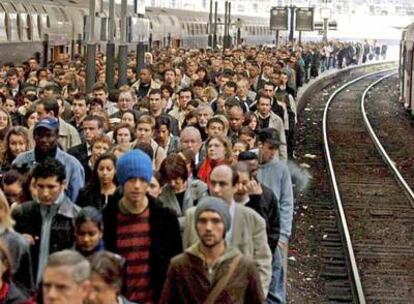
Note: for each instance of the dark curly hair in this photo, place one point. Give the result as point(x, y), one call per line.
point(50, 167)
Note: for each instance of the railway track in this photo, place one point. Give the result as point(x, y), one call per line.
point(375, 205)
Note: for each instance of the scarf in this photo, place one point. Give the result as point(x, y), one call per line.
point(4, 292)
point(206, 167)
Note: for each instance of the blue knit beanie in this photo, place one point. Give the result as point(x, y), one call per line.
point(134, 164)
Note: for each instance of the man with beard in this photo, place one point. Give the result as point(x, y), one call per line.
point(248, 230)
point(231, 277)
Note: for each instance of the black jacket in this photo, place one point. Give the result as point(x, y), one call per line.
point(165, 239)
point(267, 206)
point(91, 197)
point(29, 221)
point(80, 152)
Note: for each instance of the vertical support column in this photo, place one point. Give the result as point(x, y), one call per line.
point(277, 38)
point(325, 29)
point(123, 47)
point(292, 23)
point(91, 49)
point(238, 38)
point(110, 47)
point(210, 25)
point(140, 57)
point(225, 26)
point(229, 40)
point(215, 26)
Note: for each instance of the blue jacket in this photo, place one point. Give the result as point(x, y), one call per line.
point(275, 175)
point(75, 175)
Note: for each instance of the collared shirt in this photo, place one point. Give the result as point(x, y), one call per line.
point(15, 90)
point(88, 149)
point(48, 213)
point(232, 210)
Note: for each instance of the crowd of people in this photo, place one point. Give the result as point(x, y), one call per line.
point(173, 188)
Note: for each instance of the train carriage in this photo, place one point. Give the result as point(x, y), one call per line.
point(53, 30)
point(407, 67)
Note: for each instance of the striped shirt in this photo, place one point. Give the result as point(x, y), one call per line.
point(133, 243)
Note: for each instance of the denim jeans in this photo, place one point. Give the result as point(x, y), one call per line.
point(277, 288)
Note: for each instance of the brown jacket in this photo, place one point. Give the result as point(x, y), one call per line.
point(190, 281)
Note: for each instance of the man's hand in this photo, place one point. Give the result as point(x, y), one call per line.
point(254, 188)
point(282, 244)
point(30, 238)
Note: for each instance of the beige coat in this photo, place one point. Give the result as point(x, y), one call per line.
point(68, 135)
point(153, 85)
point(277, 123)
point(249, 236)
point(159, 155)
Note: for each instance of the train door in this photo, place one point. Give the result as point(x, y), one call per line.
point(407, 75)
point(176, 43)
point(402, 72)
point(411, 101)
point(59, 53)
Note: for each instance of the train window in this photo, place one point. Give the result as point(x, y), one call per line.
point(11, 26)
point(43, 23)
point(58, 15)
point(23, 27)
point(34, 25)
point(65, 18)
point(3, 31)
point(172, 20)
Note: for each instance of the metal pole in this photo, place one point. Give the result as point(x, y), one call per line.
point(229, 42)
point(110, 47)
point(215, 26)
point(325, 29)
point(292, 23)
point(277, 38)
point(123, 47)
point(300, 37)
point(91, 49)
point(238, 39)
point(210, 25)
point(140, 57)
point(225, 26)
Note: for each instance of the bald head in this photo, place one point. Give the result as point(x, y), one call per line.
point(190, 138)
point(222, 179)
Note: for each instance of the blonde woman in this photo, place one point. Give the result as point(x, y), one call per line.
point(18, 246)
point(16, 141)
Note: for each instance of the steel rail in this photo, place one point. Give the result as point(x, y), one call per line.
point(380, 148)
point(360, 297)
